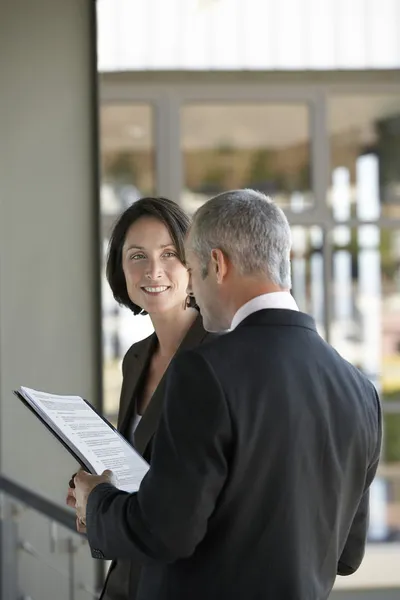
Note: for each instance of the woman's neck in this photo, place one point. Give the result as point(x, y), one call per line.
point(171, 329)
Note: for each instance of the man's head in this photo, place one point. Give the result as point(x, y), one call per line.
point(238, 247)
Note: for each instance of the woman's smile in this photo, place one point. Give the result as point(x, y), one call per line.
point(155, 290)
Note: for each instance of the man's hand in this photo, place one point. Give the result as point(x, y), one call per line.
point(70, 501)
point(84, 484)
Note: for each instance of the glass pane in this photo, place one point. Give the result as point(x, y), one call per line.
point(365, 156)
point(128, 173)
point(308, 272)
point(127, 155)
point(366, 331)
point(261, 146)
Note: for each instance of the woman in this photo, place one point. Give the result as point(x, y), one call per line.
point(146, 272)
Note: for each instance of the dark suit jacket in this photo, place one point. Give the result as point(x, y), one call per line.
point(123, 575)
point(258, 486)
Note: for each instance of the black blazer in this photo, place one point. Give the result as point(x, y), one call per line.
point(123, 575)
point(258, 486)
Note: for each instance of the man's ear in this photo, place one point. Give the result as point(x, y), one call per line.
point(219, 264)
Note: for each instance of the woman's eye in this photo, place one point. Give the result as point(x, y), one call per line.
point(169, 254)
point(136, 256)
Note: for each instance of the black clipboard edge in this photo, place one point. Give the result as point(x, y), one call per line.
point(84, 466)
point(55, 434)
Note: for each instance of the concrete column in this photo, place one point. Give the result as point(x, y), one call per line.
point(49, 279)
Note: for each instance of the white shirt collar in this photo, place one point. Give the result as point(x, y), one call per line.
point(272, 300)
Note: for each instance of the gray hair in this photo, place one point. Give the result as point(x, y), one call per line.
point(252, 230)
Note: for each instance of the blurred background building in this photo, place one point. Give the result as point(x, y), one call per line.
point(297, 98)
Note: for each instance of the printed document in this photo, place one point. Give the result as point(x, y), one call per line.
point(89, 437)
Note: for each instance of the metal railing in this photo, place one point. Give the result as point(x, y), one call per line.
point(62, 547)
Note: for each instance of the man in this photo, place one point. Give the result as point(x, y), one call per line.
point(258, 486)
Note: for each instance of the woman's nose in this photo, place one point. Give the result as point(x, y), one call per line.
point(154, 270)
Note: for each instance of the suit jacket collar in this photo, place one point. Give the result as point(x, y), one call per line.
point(135, 363)
point(132, 380)
point(279, 316)
point(271, 300)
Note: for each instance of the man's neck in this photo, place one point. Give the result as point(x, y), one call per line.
point(246, 292)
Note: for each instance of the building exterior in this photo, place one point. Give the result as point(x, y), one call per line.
point(299, 98)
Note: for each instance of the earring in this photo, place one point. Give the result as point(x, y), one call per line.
point(190, 302)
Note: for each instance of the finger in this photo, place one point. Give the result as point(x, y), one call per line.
point(80, 527)
point(110, 476)
point(70, 501)
point(81, 514)
point(71, 481)
point(79, 477)
point(69, 497)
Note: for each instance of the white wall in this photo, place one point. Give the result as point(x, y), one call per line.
point(48, 267)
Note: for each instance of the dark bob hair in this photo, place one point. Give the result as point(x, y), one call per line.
point(168, 212)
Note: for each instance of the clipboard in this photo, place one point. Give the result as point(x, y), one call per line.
point(93, 442)
point(87, 467)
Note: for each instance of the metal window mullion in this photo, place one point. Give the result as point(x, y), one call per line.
point(169, 164)
point(327, 282)
point(320, 160)
point(382, 223)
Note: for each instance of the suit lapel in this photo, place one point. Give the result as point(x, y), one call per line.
point(149, 422)
point(134, 368)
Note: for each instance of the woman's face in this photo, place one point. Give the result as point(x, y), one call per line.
point(156, 279)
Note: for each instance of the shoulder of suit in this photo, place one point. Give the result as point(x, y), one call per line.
point(209, 341)
point(209, 337)
point(136, 349)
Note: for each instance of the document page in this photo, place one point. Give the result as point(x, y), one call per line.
point(94, 440)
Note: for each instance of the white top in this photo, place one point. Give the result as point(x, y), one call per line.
point(273, 300)
point(135, 423)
